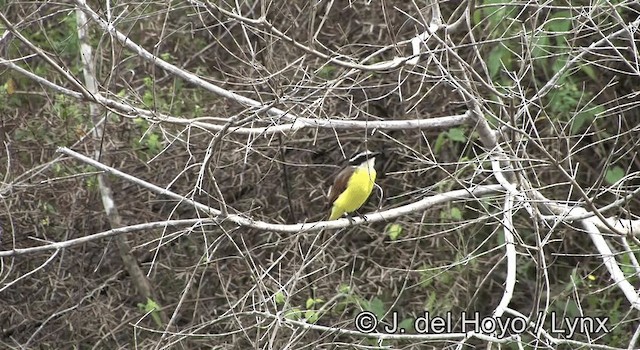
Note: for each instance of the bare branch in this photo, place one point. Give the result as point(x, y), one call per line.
point(296, 228)
point(101, 235)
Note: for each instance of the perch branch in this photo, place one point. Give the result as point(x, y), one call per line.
point(242, 220)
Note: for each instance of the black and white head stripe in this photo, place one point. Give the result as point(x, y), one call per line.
point(362, 157)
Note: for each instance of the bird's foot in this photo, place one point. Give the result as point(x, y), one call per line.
point(350, 218)
point(362, 216)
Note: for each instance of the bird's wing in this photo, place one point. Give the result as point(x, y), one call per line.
point(339, 184)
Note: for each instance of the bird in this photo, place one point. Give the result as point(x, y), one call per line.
point(353, 184)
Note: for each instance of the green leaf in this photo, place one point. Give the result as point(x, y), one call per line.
point(10, 86)
point(148, 82)
point(559, 24)
point(344, 289)
point(477, 17)
point(589, 71)
point(564, 100)
point(394, 231)
point(141, 123)
point(446, 278)
point(427, 277)
point(442, 138)
point(152, 308)
point(151, 305)
point(585, 117)
point(165, 56)
point(492, 119)
point(498, 56)
point(431, 302)
point(501, 240)
point(293, 314)
point(377, 307)
point(578, 122)
point(279, 298)
point(312, 302)
point(614, 175)
point(558, 64)
point(487, 12)
point(407, 324)
point(326, 72)
point(456, 213)
point(453, 214)
point(457, 135)
point(495, 14)
point(560, 21)
point(154, 143)
point(147, 98)
point(312, 316)
point(627, 266)
point(540, 47)
point(572, 309)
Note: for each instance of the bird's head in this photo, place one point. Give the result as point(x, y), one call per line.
point(363, 158)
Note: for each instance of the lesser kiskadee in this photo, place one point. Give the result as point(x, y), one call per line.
point(353, 185)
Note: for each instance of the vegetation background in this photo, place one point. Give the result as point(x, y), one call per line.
point(250, 107)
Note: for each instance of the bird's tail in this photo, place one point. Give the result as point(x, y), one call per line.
point(336, 213)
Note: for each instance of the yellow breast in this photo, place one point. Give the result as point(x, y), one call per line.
point(358, 190)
